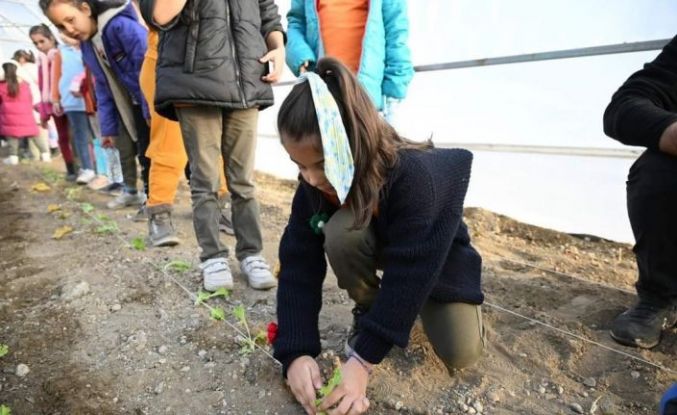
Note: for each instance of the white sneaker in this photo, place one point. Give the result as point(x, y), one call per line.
point(11, 160)
point(125, 199)
point(85, 176)
point(258, 272)
point(216, 274)
point(46, 157)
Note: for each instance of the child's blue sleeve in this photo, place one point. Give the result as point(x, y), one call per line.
point(398, 69)
point(133, 40)
point(298, 49)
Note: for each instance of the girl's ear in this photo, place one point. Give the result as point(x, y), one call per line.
point(86, 9)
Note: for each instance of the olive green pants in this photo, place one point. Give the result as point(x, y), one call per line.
point(454, 329)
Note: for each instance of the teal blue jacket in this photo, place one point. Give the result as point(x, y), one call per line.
point(385, 65)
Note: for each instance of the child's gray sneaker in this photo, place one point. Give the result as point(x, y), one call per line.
point(216, 274)
point(127, 199)
point(257, 271)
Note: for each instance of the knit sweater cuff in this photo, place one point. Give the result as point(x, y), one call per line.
point(371, 347)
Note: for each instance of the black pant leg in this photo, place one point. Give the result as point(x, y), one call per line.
point(142, 142)
point(652, 208)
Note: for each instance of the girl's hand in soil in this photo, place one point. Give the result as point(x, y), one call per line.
point(351, 394)
point(304, 379)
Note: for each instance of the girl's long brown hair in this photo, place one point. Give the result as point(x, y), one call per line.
point(373, 142)
point(43, 29)
point(11, 79)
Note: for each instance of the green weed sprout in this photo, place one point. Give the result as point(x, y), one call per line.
point(217, 313)
point(248, 343)
point(50, 175)
point(87, 207)
point(4, 410)
point(179, 266)
point(203, 296)
point(139, 243)
point(73, 193)
point(4, 349)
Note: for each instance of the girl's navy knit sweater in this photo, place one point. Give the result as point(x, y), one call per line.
point(426, 253)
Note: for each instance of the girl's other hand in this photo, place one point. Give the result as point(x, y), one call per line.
point(304, 379)
point(108, 142)
point(350, 396)
point(304, 67)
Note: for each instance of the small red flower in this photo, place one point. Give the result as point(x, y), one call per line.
point(272, 332)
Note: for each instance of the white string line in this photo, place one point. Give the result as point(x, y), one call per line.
point(192, 295)
point(576, 336)
point(562, 274)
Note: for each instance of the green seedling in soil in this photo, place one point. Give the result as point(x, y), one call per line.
point(73, 193)
point(248, 343)
point(217, 313)
point(107, 228)
point(4, 410)
point(139, 243)
point(178, 266)
point(331, 384)
point(203, 296)
point(87, 207)
point(4, 349)
point(50, 175)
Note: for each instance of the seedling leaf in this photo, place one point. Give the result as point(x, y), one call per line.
point(107, 228)
point(239, 314)
point(261, 338)
point(329, 387)
point(4, 349)
point(217, 313)
point(4, 410)
point(221, 292)
point(61, 232)
point(179, 266)
point(86, 207)
point(139, 243)
point(73, 193)
point(202, 297)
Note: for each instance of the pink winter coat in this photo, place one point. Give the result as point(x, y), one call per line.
point(16, 113)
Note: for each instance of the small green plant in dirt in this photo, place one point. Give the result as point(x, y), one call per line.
point(179, 266)
point(203, 296)
point(331, 384)
point(50, 176)
point(139, 243)
point(4, 410)
point(106, 225)
point(73, 193)
point(249, 342)
point(4, 349)
point(217, 313)
point(87, 207)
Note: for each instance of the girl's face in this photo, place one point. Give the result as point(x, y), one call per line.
point(74, 21)
point(42, 43)
point(310, 161)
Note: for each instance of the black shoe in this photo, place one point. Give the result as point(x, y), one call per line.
point(358, 312)
point(642, 325)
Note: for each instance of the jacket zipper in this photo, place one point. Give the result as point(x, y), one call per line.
point(232, 51)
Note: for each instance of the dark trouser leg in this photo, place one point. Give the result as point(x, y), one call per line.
point(454, 329)
point(201, 128)
point(352, 255)
point(142, 141)
point(652, 208)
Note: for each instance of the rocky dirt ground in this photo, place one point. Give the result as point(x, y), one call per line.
point(96, 327)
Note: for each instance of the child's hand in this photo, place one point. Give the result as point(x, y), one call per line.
point(304, 67)
point(108, 142)
point(350, 396)
point(57, 109)
point(304, 379)
point(275, 58)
